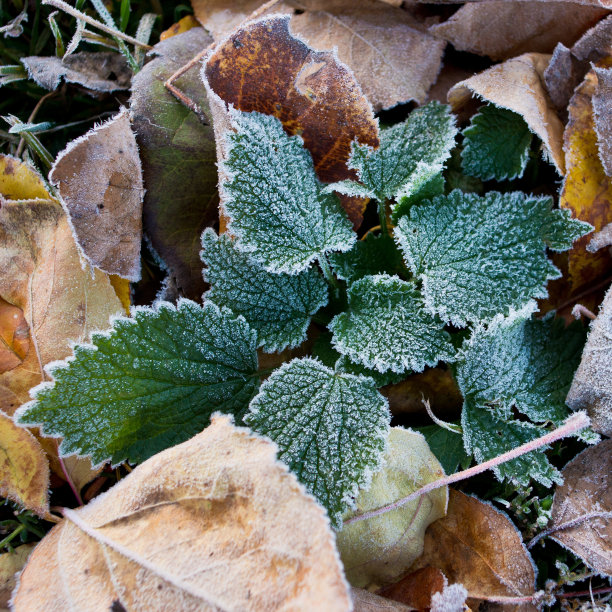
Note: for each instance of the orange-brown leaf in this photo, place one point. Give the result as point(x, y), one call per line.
point(14, 336)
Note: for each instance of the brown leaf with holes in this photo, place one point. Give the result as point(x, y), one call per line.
point(99, 178)
point(263, 67)
point(14, 336)
point(213, 523)
point(477, 546)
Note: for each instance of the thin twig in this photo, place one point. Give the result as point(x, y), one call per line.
point(572, 523)
point(585, 593)
point(71, 484)
point(31, 118)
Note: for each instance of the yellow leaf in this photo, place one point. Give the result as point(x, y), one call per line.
point(19, 181)
point(122, 289)
point(182, 25)
point(14, 336)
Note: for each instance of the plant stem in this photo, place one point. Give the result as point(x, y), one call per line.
point(9, 538)
point(574, 423)
point(572, 523)
point(327, 273)
point(382, 215)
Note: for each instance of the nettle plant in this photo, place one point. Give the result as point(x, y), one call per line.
point(446, 278)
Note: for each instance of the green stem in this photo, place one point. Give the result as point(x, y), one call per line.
point(382, 215)
point(9, 538)
point(328, 274)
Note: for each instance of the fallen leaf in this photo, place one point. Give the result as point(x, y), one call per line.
point(502, 29)
point(20, 181)
point(587, 488)
point(604, 3)
point(178, 160)
point(586, 191)
point(24, 470)
point(591, 388)
point(14, 336)
point(594, 44)
point(98, 72)
point(182, 25)
point(477, 546)
point(601, 239)
point(11, 564)
point(122, 290)
point(263, 67)
point(602, 116)
point(517, 85)
point(417, 588)
point(244, 535)
point(563, 73)
point(99, 178)
point(380, 549)
point(364, 601)
point(220, 17)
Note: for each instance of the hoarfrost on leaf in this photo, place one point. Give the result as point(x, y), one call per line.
point(480, 256)
point(278, 306)
point(388, 328)
point(331, 428)
point(279, 210)
point(151, 382)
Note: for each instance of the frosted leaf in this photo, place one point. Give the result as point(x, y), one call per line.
point(151, 382)
point(278, 208)
point(447, 446)
point(480, 256)
point(278, 306)
point(346, 366)
point(388, 328)
point(376, 254)
point(426, 184)
point(331, 429)
point(486, 435)
point(496, 145)
point(521, 363)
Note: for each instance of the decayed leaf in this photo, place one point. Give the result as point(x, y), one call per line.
point(178, 159)
point(24, 470)
point(214, 523)
point(602, 115)
point(364, 601)
point(592, 385)
point(417, 588)
point(10, 564)
point(99, 72)
point(380, 549)
point(100, 185)
point(587, 489)
point(604, 3)
point(477, 546)
point(14, 336)
point(563, 73)
point(594, 44)
point(262, 67)
point(220, 17)
point(517, 85)
point(587, 191)
point(20, 181)
point(504, 29)
point(182, 25)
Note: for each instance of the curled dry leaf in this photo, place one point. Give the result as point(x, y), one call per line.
point(213, 523)
point(99, 178)
point(477, 546)
point(11, 564)
point(517, 85)
point(263, 67)
point(602, 116)
point(380, 549)
point(24, 470)
point(14, 336)
point(587, 489)
point(503, 29)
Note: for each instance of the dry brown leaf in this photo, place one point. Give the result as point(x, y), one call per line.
point(14, 336)
point(417, 588)
point(604, 3)
point(99, 177)
point(594, 44)
point(517, 85)
point(477, 546)
point(503, 29)
point(562, 75)
point(587, 489)
point(220, 17)
point(213, 523)
point(24, 469)
point(602, 116)
point(10, 564)
point(364, 601)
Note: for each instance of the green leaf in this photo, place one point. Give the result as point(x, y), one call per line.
point(447, 446)
point(151, 382)
point(331, 429)
point(486, 435)
point(278, 306)
point(425, 187)
point(480, 256)
point(278, 209)
point(521, 363)
point(496, 145)
point(387, 327)
point(376, 254)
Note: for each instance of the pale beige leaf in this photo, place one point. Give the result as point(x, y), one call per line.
point(364, 601)
point(99, 177)
point(517, 85)
point(220, 17)
point(215, 523)
point(587, 489)
point(10, 564)
point(503, 29)
point(604, 3)
point(380, 549)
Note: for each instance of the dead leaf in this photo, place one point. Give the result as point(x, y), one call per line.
point(122, 290)
point(10, 565)
point(604, 3)
point(378, 550)
point(213, 523)
point(601, 239)
point(591, 388)
point(602, 116)
point(364, 601)
point(14, 336)
point(587, 489)
point(178, 160)
point(594, 44)
point(98, 72)
point(517, 85)
point(220, 17)
point(561, 77)
point(263, 67)
point(502, 29)
point(182, 25)
point(477, 546)
point(24, 470)
point(20, 181)
point(417, 588)
point(99, 178)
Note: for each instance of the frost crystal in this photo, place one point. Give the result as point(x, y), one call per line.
point(278, 209)
point(278, 306)
point(480, 256)
point(331, 429)
point(387, 327)
point(151, 382)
